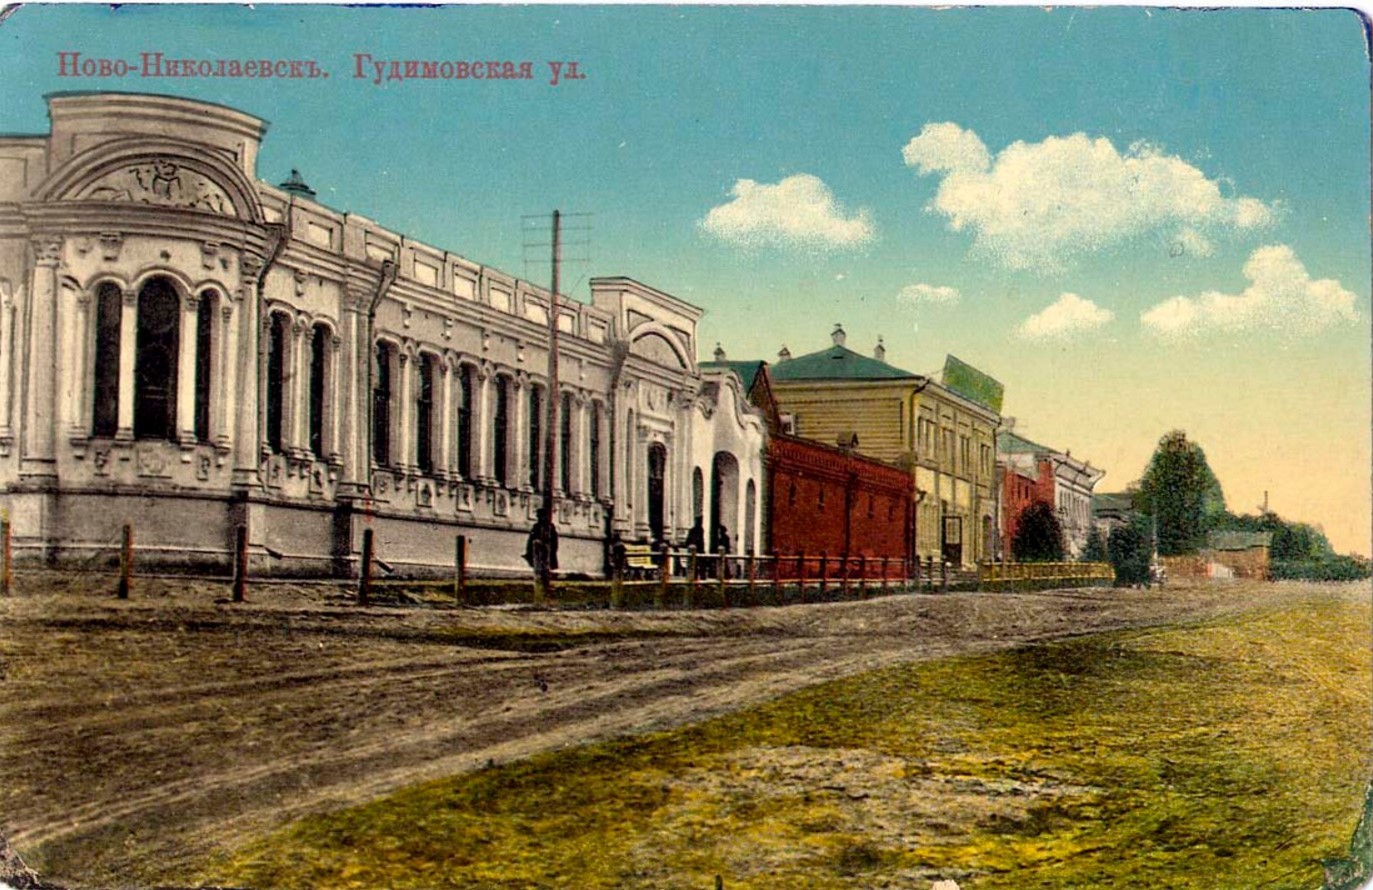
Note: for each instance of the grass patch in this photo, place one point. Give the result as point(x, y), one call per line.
point(1233, 754)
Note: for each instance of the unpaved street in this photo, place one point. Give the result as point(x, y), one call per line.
point(136, 737)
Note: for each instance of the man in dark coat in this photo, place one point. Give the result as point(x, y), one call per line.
point(541, 550)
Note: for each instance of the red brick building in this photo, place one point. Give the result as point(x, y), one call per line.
point(827, 499)
point(1018, 492)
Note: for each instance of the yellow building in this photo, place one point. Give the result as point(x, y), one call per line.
point(943, 430)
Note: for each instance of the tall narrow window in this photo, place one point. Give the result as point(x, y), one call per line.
point(319, 344)
point(565, 443)
point(381, 406)
point(465, 422)
point(594, 450)
point(203, 346)
point(108, 306)
point(424, 416)
point(278, 333)
point(535, 437)
point(155, 360)
point(501, 434)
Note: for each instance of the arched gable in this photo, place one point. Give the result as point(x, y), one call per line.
point(657, 344)
point(159, 173)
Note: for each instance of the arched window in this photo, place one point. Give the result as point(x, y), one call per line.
point(465, 421)
point(155, 360)
point(381, 404)
point(424, 416)
point(501, 432)
point(594, 449)
point(750, 516)
point(535, 437)
point(278, 332)
point(319, 355)
point(565, 443)
point(209, 302)
point(108, 307)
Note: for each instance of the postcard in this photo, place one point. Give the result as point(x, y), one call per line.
point(684, 446)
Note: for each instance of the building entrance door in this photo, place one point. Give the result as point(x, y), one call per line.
point(952, 544)
point(657, 469)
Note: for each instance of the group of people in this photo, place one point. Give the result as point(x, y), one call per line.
point(541, 547)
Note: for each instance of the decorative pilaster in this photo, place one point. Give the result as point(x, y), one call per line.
point(128, 350)
point(79, 386)
point(404, 457)
point(38, 455)
point(518, 476)
point(443, 462)
point(482, 420)
point(247, 434)
point(185, 373)
point(222, 381)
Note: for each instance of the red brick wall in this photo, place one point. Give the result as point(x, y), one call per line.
point(1019, 492)
point(815, 487)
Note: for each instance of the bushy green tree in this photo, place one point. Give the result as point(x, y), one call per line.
point(1038, 536)
point(1181, 494)
point(1129, 549)
point(1095, 550)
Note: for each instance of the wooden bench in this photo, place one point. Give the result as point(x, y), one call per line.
point(640, 562)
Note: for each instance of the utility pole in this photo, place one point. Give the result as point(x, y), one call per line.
point(554, 397)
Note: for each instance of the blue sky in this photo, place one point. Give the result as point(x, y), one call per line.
point(939, 178)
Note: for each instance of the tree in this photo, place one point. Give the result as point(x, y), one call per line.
point(1129, 550)
point(1095, 550)
point(1180, 494)
point(1038, 535)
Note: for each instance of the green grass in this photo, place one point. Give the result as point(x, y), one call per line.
point(1233, 754)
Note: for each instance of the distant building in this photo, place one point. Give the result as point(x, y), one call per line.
point(940, 431)
point(1112, 510)
point(822, 498)
point(1056, 478)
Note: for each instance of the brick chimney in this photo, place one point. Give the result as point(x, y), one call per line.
point(837, 335)
point(880, 353)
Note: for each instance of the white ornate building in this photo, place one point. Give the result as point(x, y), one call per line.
point(186, 349)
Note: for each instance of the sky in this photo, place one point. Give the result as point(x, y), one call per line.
point(1138, 220)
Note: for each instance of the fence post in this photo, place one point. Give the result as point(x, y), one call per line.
point(929, 573)
point(844, 576)
point(460, 569)
point(240, 563)
point(824, 574)
point(6, 558)
point(126, 563)
point(661, 599)
point(801, 576)
point(724, 577)
point(943, 576)
point(365, 570)
point(886, 567)
point(863, 576)
point(752, 572)
point(691, 576)
point(777, 579)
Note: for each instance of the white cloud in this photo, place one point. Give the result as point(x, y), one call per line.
point(1038, 205)
point(929, 294)
point(1281, 295)
point(1065, 318)
point(946, 148)
point(799, 211)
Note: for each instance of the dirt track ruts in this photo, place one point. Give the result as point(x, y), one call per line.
point(136, 737)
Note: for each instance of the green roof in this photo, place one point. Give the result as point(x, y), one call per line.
point(747, 371)
point(837, 363)
point(1010, 443)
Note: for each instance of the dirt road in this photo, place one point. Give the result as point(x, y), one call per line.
point(138, 736)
